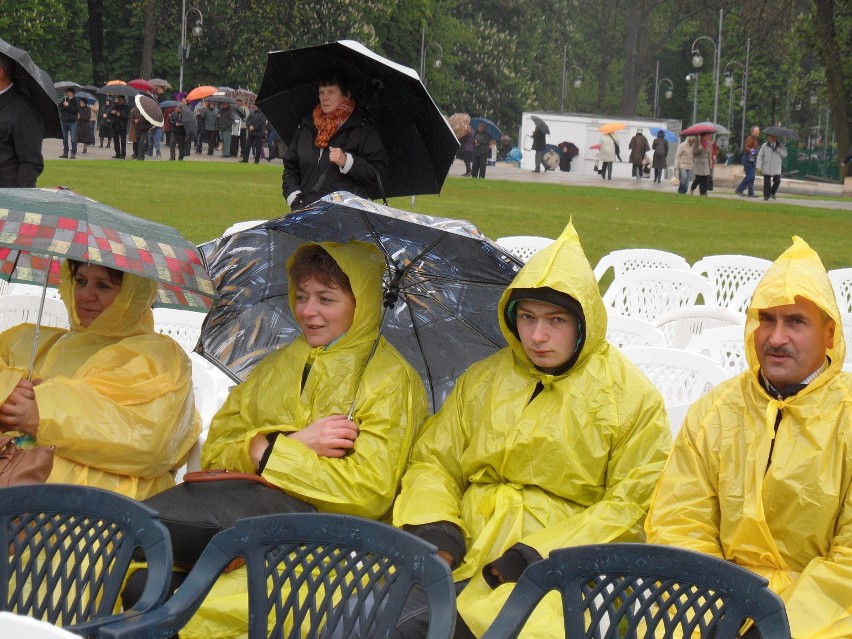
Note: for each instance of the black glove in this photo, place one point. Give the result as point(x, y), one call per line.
point(297, 204)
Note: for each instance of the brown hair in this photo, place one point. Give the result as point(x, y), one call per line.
point(115, 276)
point(312, 260)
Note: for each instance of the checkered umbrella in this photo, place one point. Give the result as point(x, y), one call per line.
point(39, 224)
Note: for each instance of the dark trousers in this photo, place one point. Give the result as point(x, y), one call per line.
point(539, 161)
point(141, 145)
point(467, 158)
point(748, 181)
point(254, 142)
point(479, 164)
point(658, 175)
point(770, 185)
point(179, 140)
point(606, 170)
point(119, 137)
point(211, 138)
point(69, 130)
point(701, 182)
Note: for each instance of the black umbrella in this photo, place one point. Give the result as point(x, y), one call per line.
point(781, 132)
point(83, 95)
point(91, 88)
point(37, 85)
point(540, 124)
point(442, 285)
point(221, 99)
point(418, 140)
point(65, 84)
point(119, 89)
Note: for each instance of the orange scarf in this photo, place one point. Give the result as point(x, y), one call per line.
point(328, 123)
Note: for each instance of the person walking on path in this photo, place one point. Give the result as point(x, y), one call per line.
point(120, 115)
point(68, 110)
point(606, 154)
point(661, 153)
point(481, 140)
point(539, 144)
point(749, 160)
point(638, 148)
point(255, 125)
point(703, 163)
point(684, 163)
point(770, 159)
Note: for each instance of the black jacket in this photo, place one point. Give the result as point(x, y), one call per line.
point(21, 134)
point(120, 121)
point(68, 112)
point(257, 120)
point(307, 167)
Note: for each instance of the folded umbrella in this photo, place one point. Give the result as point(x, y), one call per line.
point(781, 132)
point(37, 85)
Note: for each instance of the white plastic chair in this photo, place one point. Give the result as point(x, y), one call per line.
point(182, 326)
point(725, 345)
point(727, 273)
point(841, 282)
point(846, 320)
point(241, 226)
point(647, 293)
point(21, 627)
point(20, 309)
point(625, 332)
point(625, 260)
point(680, 325)
point(523, 246)
point(742, 298)
point(19, 288)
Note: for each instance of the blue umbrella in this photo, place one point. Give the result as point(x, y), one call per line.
point(554, 148)
point(168, 103)
point(669, 135)
point(492, 129)
point(83, 95)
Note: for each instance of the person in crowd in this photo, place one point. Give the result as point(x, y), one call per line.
point(199, 111)
point(243, 111)
point(702, 159)
point(21, 132)
point(68, 109)
point(140, 127)
point(155, 138)
point(607, 154)
point(210, 126)
point(556, 440)
point(660, 147)
point(638, 146)
point(684, 163)
point(255, 124)
point(105, 124)
point(277, 148)
point(178, 131)
point(505, 148)
point(466, 151)
point(748, 157)
point(120, 114)
point(539, 145)
point(227, 118)
point(111, 395)
point(770, 160)
point(304, 441)
point(481, 142)
point(335, 148)
point(94, 120)
point(761, 471)
point(84, 128)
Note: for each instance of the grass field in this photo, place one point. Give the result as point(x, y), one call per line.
point(202, 199)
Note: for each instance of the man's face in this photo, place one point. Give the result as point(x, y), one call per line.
point(791, 341)
point(548, 334)
point(756, 132)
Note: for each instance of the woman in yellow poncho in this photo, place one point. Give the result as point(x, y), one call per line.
point(114, 397)
point(556, 440)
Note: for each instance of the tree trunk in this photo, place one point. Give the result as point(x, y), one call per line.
point(147, 67)
point(631, 42)
point(829, 49)
point(96, 40)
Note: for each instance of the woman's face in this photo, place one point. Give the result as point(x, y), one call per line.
point(331, 97)
point(94, 291)
point(324, 313)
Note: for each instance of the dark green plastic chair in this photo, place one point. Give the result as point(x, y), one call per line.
point(312, 575)
point(644, 591)
point(68, 549)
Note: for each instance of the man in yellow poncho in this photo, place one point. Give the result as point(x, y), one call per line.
point(761, 472)
point(114, 397)
point(288, 420)
point(556, 440)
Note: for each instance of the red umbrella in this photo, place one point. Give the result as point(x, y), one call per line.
point(142, 85)
point(698, 129)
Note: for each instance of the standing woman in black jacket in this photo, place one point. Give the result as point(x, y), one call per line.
point(334, 149)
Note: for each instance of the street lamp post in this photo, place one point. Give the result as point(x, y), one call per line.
point(196, 30)
point(698, 60)
point(693, 77)
point(423, 47)
point(669, 92)
point(745, 92)
point(729, 82)
point(578, 80)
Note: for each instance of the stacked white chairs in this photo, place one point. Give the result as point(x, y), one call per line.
point(742, 298)
point(727, 273)
point(182, 326)
point(19, 288)
point(21, 309)
point(680, 325)
point(841, 282)
point(624, 260)
point(846, 320)
point(647, 293)
point(625, 332)
point(523, 247)
point(724, 345)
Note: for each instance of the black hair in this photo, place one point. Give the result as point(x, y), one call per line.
point(115, 276)
point(335, 78)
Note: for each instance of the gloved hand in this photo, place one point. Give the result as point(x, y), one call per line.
point(297, 204)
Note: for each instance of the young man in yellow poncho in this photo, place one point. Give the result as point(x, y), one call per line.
point(556, 440)
point(761, 472)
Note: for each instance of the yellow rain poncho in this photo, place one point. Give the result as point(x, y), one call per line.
point(789, 520)
point(576, 465)
point(390, 406)
point(117, 399)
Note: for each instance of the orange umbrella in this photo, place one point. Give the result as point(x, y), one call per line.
point(612, 127)
point(116, 82)
point(199, 93)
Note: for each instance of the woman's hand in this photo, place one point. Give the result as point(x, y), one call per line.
point(331, 436)
point(337, 156)
point(20, 410)
point(257, 448)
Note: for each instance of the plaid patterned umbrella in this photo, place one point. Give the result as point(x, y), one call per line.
point(37, 224)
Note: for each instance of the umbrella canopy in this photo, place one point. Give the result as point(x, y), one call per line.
point(201, 92)
point(612, 127)
point(570, 148)
point(460, 124)
point(111, 82)
point(159, 82)
point(540, 124)
point(418, 140)
point(442, 285)
point(91, 88)
point(721, 130)
point(149, 109)
point(37, 85)
point(221, 99)
point(65, 84)
point(165, 104)
point(669, 136)
point(83, 95)
point(595, 147)
point(699, 129)
point(142, 85)
point(781, 132)
point(492, 129)
point(119, 89)
point(554, 148)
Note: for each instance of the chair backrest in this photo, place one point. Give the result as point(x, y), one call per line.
point(19, 288)
point(523, 246)
point(645, 592)
point(625, 332)
point(312, 575)
point(680, 376)
point(182, 326)
point(647, 293)
point(680, 325)
point(20, 309)
point(67, 550)
point(841, 282)
point(624, 260)
point(726, 273)
point(846, 320)
point(742, 298)
point(725, 345)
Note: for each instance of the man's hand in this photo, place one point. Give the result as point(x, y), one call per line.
point(20, 410)
point(331, 436)
point(337, 156)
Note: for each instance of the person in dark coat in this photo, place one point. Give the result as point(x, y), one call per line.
point(335, 148)
point(120, 114)
point(481, 142)
point(661, 153)
point(255, 124)
point(466, 150)
point(105, 124)
point(21, 133)
point(84, 129)
point(539, 144)
point(638, 148)
point(68, 110)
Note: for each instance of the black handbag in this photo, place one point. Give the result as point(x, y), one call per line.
point(209, 501)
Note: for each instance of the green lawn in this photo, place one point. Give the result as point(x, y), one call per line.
point(203, 198)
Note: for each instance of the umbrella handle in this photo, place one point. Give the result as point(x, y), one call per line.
point(381, 184)
point(38, 321)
